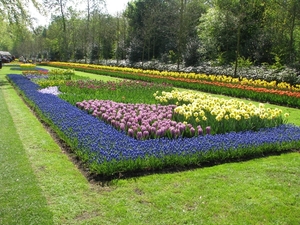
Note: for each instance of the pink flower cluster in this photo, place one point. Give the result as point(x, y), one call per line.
point(140, 121)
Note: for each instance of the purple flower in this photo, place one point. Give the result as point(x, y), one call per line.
point(173, 132)
point(208, 129)
point(200, 131)
point(192, 130)
point(181, 128)
point(145, 134)
point(139, 135)
point(158, 133)
point(122, 126)
point(130, 132)
point(153, 130)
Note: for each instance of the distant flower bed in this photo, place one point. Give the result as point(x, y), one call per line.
point(27, 66)
point(45, 78)
point(108, 151)
point(276, 92)
point(189, 75)
point(30, 68)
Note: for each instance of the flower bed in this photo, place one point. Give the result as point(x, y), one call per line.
point(281, 85)
point(107, 151)
point(192, 111)
point(27, 66)
point(281, 93)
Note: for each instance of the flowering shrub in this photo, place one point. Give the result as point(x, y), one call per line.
point(108, 151)
point(264, 72)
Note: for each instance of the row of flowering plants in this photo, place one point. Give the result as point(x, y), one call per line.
point(27, 66)
point(108, 151)
point(280, 85)
point(281, 93)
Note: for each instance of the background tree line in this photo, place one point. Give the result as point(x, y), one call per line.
point(172, 31)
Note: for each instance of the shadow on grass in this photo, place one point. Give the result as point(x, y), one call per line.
point(5, 84)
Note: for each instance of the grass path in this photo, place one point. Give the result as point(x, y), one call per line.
point(21, 198)
point(259, 191)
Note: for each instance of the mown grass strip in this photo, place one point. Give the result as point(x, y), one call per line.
point(21, 198)
point(61, 182)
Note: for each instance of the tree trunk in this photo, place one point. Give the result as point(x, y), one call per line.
point(237, 49)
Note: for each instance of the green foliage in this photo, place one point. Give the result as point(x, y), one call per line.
point(243, 63)
point(49, 83)
point(172, 56)
point(277, 64)
point(119, 91)
point(95, 53)
point(221, 59)
point(192, 55)
point(79, 54)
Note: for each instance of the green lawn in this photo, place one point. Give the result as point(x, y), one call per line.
point(40, 185)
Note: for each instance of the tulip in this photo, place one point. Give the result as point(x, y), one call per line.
point(208, 130)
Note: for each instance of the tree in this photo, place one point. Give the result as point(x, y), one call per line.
point(60, 7)
point(6, 40)
point(93, 8)
point(284, 24)
point(150, 28)
point(16, 11)
point(236, 29)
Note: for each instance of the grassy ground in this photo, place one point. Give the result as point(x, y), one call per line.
point(40, 185)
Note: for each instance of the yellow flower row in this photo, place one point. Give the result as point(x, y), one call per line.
point(27, 65)
point(271, 84)
point(219, 78)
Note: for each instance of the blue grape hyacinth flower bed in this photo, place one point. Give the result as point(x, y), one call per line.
point(108, 151)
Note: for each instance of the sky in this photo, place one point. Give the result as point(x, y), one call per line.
point(113, 7)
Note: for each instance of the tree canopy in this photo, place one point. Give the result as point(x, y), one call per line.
point(172, 31)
